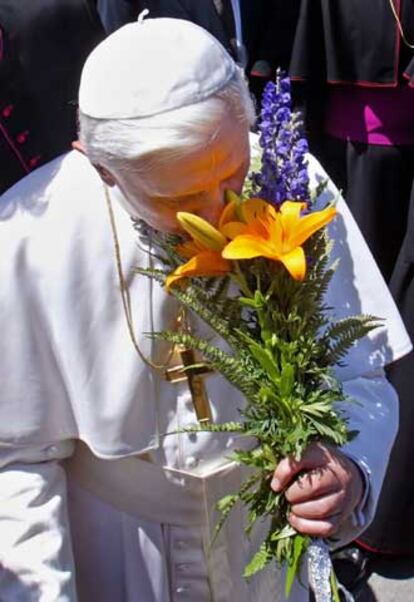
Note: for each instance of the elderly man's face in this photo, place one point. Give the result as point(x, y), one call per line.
point(195, 183)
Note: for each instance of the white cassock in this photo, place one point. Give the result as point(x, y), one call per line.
point(69, 374)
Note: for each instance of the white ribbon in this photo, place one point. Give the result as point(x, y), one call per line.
point(319, 569)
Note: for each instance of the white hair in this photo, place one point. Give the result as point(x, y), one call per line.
point(140, 144)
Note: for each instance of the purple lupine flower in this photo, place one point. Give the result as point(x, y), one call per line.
point(283, 174)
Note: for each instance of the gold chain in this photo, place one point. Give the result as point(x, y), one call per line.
point(399, 25)
point(126, 298)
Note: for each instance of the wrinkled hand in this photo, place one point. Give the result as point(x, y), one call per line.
point(326, 493)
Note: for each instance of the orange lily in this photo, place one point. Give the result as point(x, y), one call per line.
point(204, 251)
point(277, 235)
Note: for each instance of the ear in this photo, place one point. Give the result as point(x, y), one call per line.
point(105, 175)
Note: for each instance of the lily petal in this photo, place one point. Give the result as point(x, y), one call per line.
point(233, 229)
point(189, 248)
point(292, 208)
point(235, 202)
point(277, 233)
point(295, 263)
point(289, 214)
point(208, 263)
point(257, 209)
point(309, 224)
point(228, 214)
point(258, 215)
point(203, 232)
point(247, 247)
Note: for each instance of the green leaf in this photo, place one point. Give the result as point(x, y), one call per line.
point(334, 587)
point(224, 506)
point(248, 302)
point(259, 298)
point(266, 361)
point(259, 561)
point(327, 432)
point(300, 543)
point(287, 380)
point(317, 409)
point(211, 427)
point(272, 399)
point(226, 503)
point(343, 334)
point(287, 531)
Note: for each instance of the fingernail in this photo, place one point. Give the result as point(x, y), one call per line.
point(275, 484)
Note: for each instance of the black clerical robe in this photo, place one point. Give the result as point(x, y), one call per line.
point(43, 46)
point(392, 530)
point(115, 13)
point(353, 41)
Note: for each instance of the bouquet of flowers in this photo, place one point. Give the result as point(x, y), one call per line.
point(258, 279)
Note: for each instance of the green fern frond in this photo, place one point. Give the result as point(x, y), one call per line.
point(343, 334)
point(207, 303)
point(220, 317)
point(233, 369)
point(211, 427)
point(318, 190)
point(227, 504)
point(259, 561)
point(155, 274)
point(224, 506)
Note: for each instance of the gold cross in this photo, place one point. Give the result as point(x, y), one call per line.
point(193, 372)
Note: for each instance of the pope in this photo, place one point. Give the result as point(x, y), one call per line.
point(96, 502)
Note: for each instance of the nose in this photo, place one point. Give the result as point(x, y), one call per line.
point(214, 205)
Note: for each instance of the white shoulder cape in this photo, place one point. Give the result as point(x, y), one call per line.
point(68, 368)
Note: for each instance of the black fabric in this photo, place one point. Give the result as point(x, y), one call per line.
point(392, 530)
point(115, 13)
point(268, 32)
point(253, 15)
point(376, 182)
point(45, 43)
point(276, 32)
point(227, 17)
point(352, 41)
point(201, 12)
point(268, 27)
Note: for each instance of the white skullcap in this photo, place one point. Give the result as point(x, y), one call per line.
point(151, 67)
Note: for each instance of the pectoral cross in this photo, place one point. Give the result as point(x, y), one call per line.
point(193, 372)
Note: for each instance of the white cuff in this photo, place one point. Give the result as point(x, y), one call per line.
point(359, 515)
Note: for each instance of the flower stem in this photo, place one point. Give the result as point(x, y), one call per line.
point(241, 281)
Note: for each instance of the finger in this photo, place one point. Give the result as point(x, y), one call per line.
point(314, 457)
point(313, 485)
point(321, 508)
point(314, 528)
